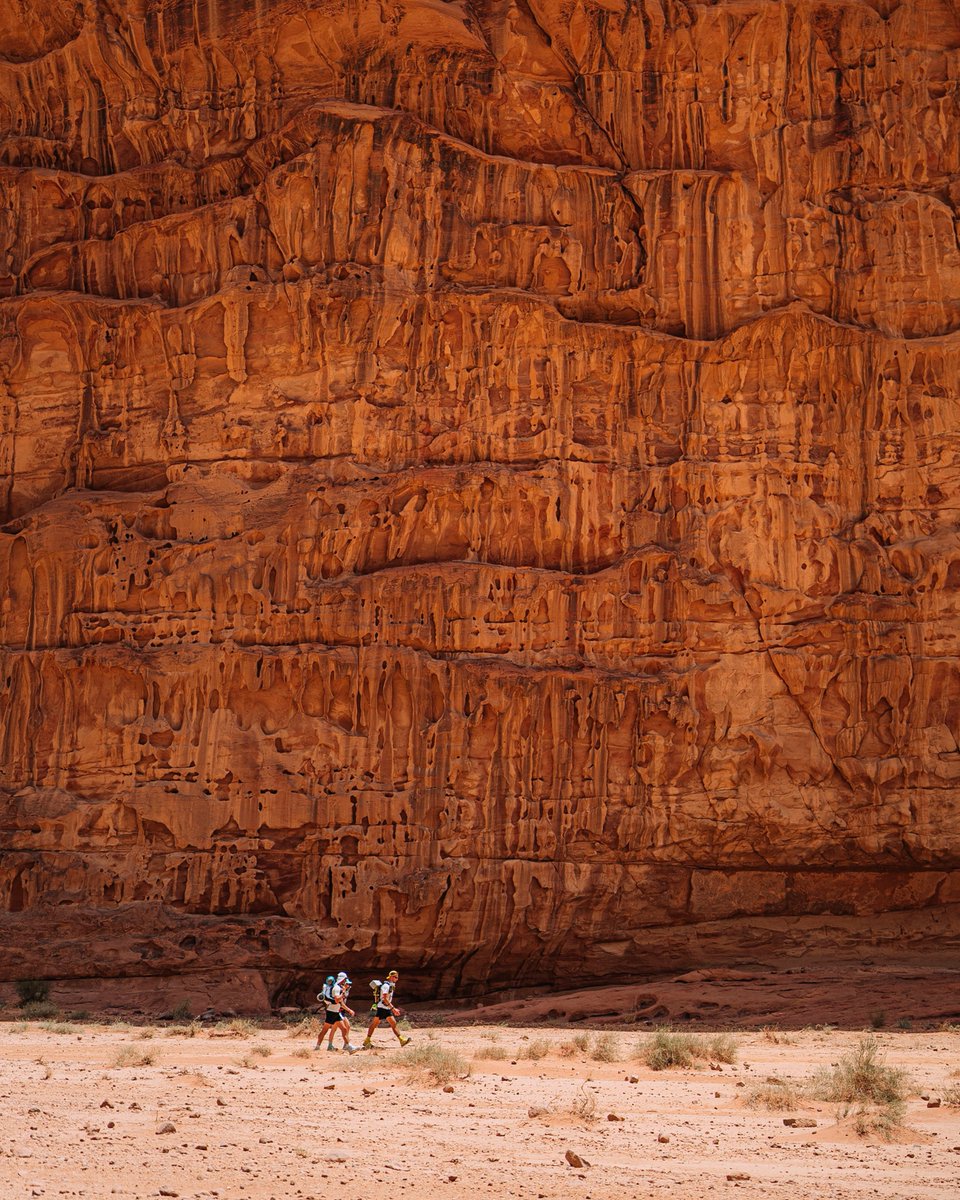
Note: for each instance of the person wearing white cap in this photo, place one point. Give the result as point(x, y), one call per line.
point(333, 999)
point(344, 1025)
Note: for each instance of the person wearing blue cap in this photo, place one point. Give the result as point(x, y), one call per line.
point(333, 998)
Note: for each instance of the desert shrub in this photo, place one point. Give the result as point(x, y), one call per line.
point(302, 1052)
point(130, 1056)
point(776, 1036)
point(496, 1050)
point(437, 1062)
point(38, 1009)
point(181, 1012)
point(238, 1027)
point(58, 1027)
point(305, 1026)
point(878, 1020)
point(951, 1096)
point(535, 1050)
point(261, 1050)
point(582, 1042)
point(605, 1048)
point(32, 991)
point(668, 1049)
point(723, 1047)
point(776, 1095)
point(882, 1121)
point(584, 1103)
point(904, 1023)
point(861, 1077)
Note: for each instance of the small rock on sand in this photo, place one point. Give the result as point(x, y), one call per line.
point(663, 1137)
point(167, 1127)
point(736, 1176)
point(800, 1122)
point(573, 1159)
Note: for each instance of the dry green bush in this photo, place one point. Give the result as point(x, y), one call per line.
point(723, 1047)
point(240, 1027)
point(129, 1056)
point(496, 1050)
point(535, 1050)
point(605, 1048)
point(584, 1103)
point(58, 1027)
point(436, 1062)
point(668, 1049)
point(776, 1095)
point(36, 1010)
point(772, 1034)
point(872, 1094)
point(883, 1121)
point(861, 1077)
point(308, 1026)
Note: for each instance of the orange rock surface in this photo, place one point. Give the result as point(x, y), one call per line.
point(480, 486)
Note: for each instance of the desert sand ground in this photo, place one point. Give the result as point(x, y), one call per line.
point(255, 1113)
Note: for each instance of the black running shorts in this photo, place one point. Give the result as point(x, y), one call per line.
point(383, 1013)
point(331, 1018)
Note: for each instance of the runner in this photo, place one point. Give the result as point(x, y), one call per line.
point(332, 1000)
point(345, 986)
point(385, 1010)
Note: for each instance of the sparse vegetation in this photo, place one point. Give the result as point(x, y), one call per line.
point(878, 1020)
point(951, 1096)
point(261, 1050)
point(301, 1052)
point(305, 1026)
point(38, 1009)
point(880, 1122)
point(581, 1042)
point(240, 1027)
point(669, 1049)
point(722, 1047)
point(776, 1095)
point(496, 1051)
point(535, 1050)
point(772, 1034)
point(605, 1048)
point(130, 1056)
point(870, 1092)
point(904, 1023)
point(861, 1077)
point(181, 1012)
point(58, 1027)
point(437, 1062)
point(584, 1103)
point(32, 991)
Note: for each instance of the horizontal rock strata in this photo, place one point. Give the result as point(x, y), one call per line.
point(479, 486)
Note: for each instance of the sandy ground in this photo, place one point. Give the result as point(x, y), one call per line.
point(261, 1116)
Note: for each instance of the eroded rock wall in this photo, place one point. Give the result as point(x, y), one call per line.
point(480, 486)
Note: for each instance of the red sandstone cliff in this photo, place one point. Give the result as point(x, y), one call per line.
point(480, 486)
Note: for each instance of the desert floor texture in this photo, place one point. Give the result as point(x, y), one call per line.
point(90, 1109)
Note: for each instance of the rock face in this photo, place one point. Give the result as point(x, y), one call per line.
point(480, 487)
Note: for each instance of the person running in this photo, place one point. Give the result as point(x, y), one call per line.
point(385, 1010)
point(345, 986)
point(332, 999)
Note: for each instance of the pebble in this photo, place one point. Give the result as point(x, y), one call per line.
point(573, 1159)
point(167, 1127)
point(664, 1138)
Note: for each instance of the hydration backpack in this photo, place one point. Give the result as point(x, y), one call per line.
point(326, 996)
